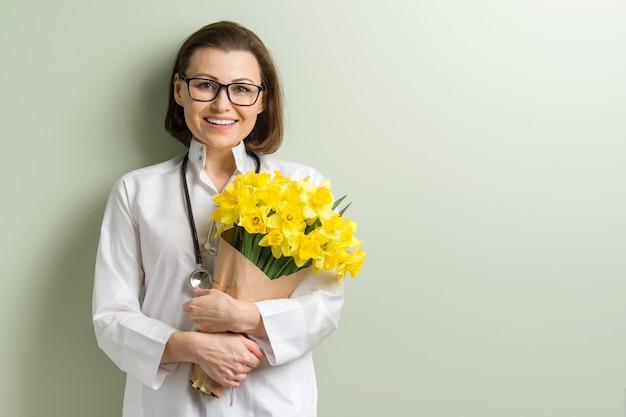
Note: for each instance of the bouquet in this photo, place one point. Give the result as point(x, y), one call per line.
point(272, 230)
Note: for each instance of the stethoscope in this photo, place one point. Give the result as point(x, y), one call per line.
point(201, 277)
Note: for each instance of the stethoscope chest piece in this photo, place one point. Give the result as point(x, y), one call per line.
point(200, 278)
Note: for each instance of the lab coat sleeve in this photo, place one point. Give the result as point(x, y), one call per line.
point(298, 324)
point(132, 340)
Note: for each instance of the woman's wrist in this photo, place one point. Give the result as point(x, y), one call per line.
point(249, 320)
point(180, 347)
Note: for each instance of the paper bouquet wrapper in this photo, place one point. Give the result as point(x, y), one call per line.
point(238, 277)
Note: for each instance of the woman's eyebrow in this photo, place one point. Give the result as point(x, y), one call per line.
point(212, 77)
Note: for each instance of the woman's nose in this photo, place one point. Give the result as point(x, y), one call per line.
point(221, 101)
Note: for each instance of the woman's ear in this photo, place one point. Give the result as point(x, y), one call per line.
point(178, 85)
point(261, 104)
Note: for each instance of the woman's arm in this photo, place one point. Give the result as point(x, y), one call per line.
point(284, 328)
point(133, 341)
point(214, 311)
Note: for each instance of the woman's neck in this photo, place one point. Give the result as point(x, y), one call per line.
point(219, 167)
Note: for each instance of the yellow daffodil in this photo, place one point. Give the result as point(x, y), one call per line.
point(333, 226)
point(253, 220)
point(288, 218)
point(317, 200)
point(334, 253)
point(253, 179)
point(277, 242)
point(354, 261)
point(308, 247)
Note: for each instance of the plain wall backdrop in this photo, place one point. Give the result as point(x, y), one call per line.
point(482, 144)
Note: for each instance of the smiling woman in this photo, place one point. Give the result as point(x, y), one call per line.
point(192, 61)
point(226, 107)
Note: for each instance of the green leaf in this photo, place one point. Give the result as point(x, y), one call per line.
point(344, 209)
point(337, 202)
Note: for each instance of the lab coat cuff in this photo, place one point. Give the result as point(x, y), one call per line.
point(142, 355)
point(284, 327)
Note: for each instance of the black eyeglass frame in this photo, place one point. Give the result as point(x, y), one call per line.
point(224, 86)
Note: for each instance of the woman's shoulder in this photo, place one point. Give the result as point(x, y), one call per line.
point(290, 169)
point(158, 169)
point(149, 177)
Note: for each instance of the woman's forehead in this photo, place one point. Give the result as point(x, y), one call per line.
point(224, 65)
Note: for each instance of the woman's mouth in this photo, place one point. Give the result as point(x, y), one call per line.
point(220, 122)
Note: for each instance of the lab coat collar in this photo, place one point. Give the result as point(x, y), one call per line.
point(243, 161)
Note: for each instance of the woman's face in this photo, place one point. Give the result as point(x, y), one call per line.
point(219, 124)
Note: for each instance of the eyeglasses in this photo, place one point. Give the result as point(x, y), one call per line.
point(240, 94)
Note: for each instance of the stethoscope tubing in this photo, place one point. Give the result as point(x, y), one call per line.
point(200, 275)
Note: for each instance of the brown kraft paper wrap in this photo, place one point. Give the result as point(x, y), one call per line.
point(238, 277)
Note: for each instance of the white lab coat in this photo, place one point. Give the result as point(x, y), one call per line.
point(146, 248)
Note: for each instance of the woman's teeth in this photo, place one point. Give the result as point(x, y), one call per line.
point(220, 122)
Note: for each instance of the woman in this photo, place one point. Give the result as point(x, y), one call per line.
point(225, 105)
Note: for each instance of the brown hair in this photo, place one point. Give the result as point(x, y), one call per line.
point(267, 134)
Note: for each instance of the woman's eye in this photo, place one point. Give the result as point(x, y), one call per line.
point(206, 85)
point(240, 89)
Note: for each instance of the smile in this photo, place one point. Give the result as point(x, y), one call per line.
point(220, 121)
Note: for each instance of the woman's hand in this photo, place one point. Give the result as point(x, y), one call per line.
point(214, 311)
point(227, 357)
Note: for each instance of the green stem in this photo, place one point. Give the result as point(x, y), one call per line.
point(237, 241)
point(273, 271)
point(265, 259)
point(255, 248)
point(245, 244)
point(288, 266)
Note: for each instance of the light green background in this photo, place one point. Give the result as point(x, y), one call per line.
point(483, 144)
